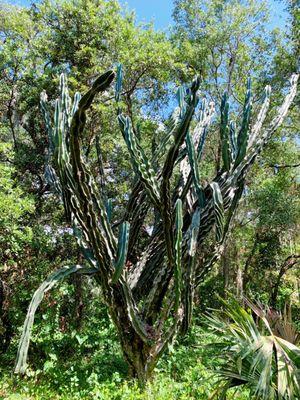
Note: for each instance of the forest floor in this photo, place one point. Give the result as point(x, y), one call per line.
point(186, 372)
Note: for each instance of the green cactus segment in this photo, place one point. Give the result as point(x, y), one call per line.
point(133, 313)
point(242, 139)
point(140, 161)
point(100, 85)
point(65, 98)
point(122, 251)
point(52, 179)
point(233, 142)
point(62, 273)
point(178, 253)
point(180, 133)
point(201, 143)
point(193, 233)
point(189, 281)
point(119, 80)
point(224, 132)
point(84, 248)
point(181, 97)
point(218, 210)
point(195, 169)
point(168, 138)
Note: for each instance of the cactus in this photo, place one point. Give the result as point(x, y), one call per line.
point(151, 301)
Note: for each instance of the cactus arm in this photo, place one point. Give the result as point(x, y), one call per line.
point(133, 313)
point(190, 272)
point(80, 194)
point(224, 132)
point(219, 210)
point(118, 85)
point(179, 135)
point(167, 170)
point(281, 114)
point(86, 190)
point(122, 251)
point(233, 143)
point(108, 207)
point(195, 169)
point(47, 119)
point(266, 133)
point(200, 135)
point(102, 83)
point(242, 139)
point(84, 248)
point(139, 160)
point(178, 254)
point(51, 281)
point(260, 118)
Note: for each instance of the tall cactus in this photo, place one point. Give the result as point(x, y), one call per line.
point(153, 300)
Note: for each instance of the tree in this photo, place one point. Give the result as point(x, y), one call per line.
point(148, 276)
point(16, 207)
point(224, 41)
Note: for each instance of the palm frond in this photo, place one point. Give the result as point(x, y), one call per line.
point(253, 355)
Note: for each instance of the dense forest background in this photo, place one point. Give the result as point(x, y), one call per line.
point(75, 351)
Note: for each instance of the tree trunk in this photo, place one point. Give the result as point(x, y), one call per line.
point(288, 263)
point(249, 261)
point(139, 358)
point(239, 282)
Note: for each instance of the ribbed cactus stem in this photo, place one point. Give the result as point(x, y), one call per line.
point(148, 276)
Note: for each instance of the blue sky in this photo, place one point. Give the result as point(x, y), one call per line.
point(160, 11)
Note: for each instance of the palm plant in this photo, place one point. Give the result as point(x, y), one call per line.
point(253, 354)
point(281, 322)
point(151, 301)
